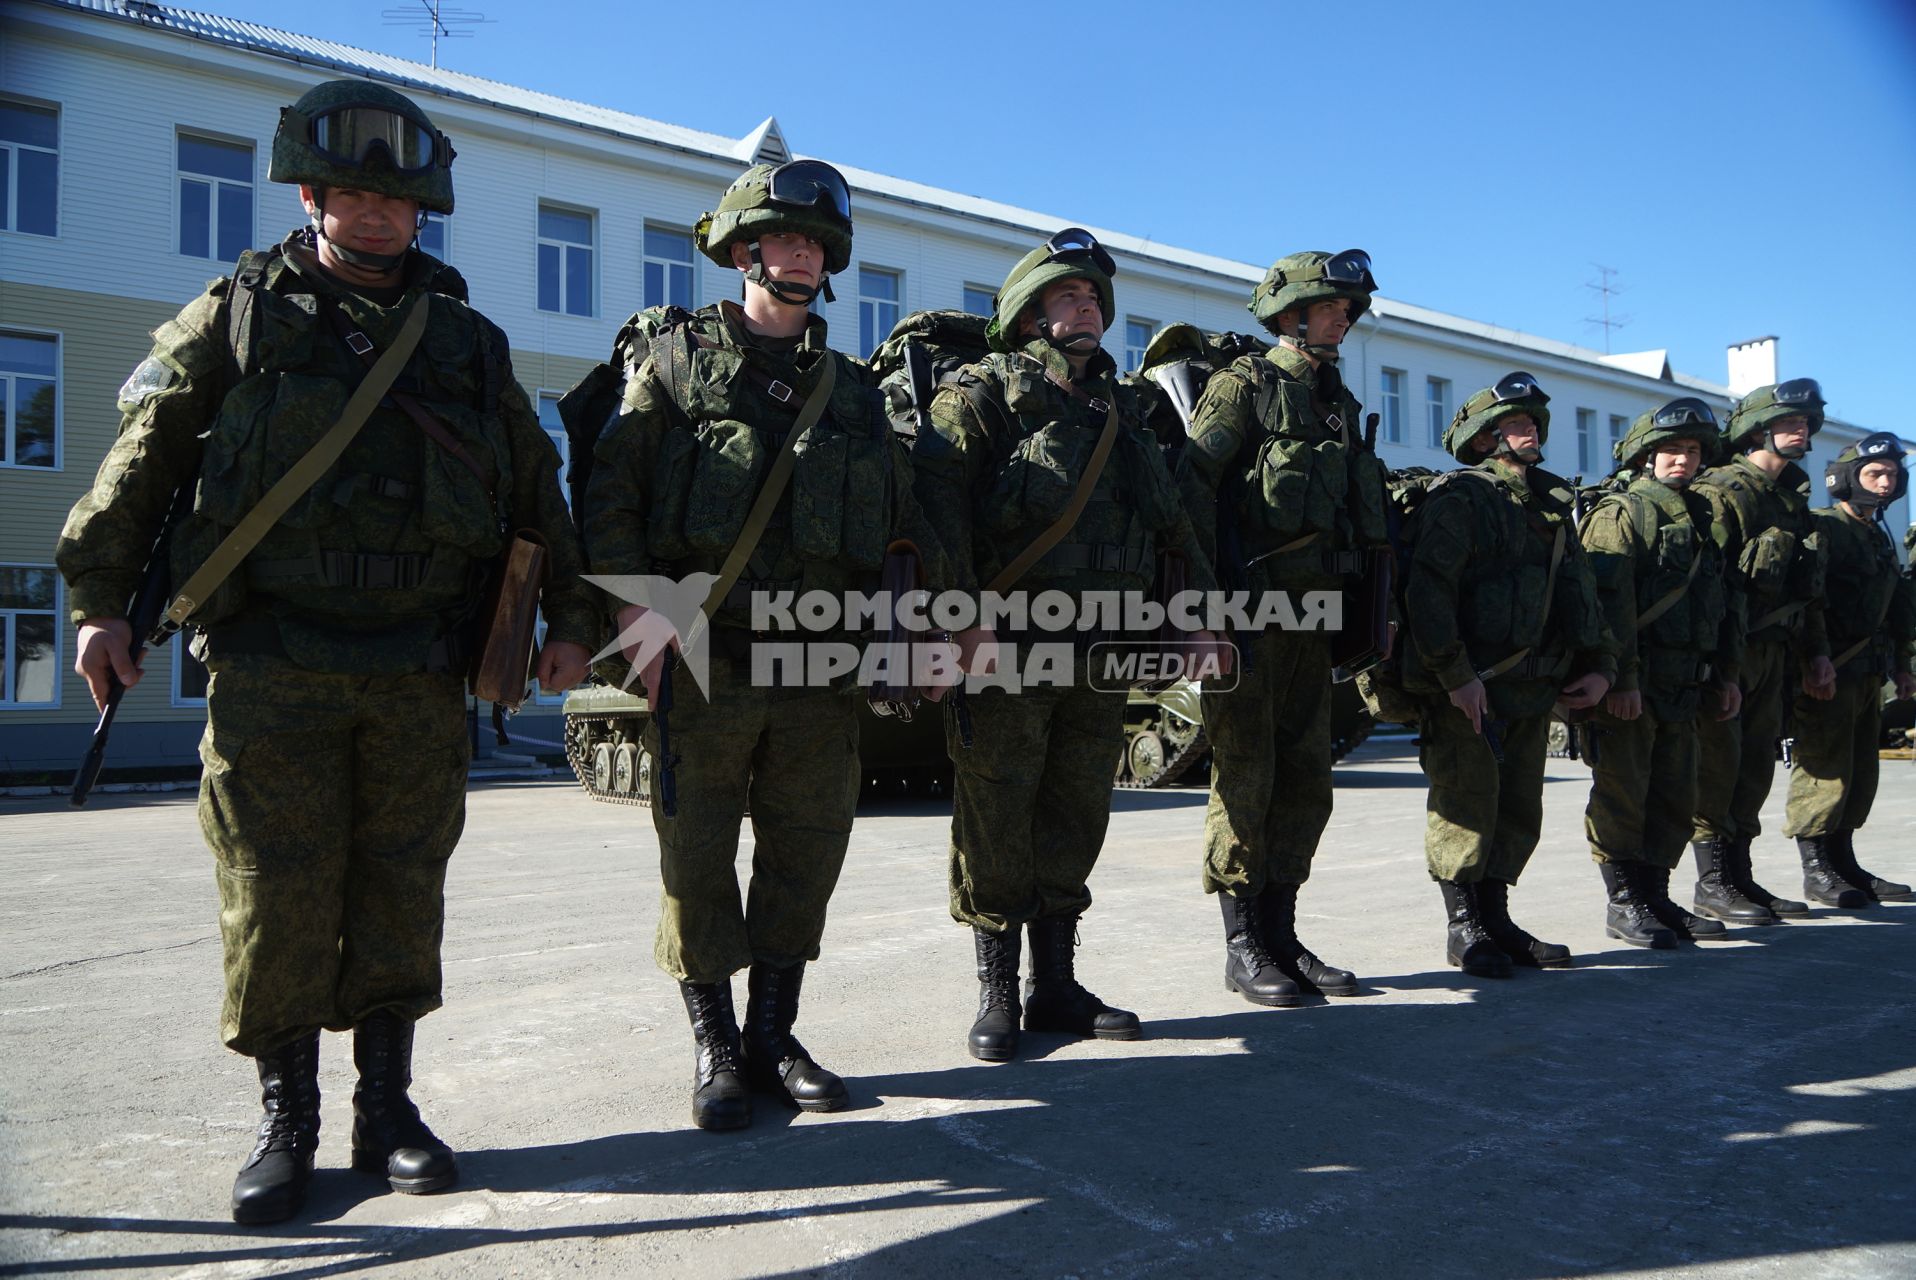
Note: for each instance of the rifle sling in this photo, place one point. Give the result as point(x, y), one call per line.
point(1668, 600)
point(1549, 592)
point(303, 475)
point(1868, 636)
point(1008, 576)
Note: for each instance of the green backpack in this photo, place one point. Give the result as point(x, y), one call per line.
point(594, 402)
point(924, 351)
point(1177, 364)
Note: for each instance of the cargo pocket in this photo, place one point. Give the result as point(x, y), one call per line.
point(1366, 506)
point(1767, 560)
point(819, 493)
point(303, 409)
point(725, 478)
point(1284, 480)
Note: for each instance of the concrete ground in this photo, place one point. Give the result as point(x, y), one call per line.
point(1741, 1108)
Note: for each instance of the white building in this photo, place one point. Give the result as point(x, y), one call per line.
point(134, 140)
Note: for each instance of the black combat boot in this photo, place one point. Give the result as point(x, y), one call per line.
point(1468, 944)
point(1719, 891)
point(1054, 998)
point(994, 1036)
point(1249, 969)
point(775, 1062)
point(1493, 904)
point(1785, 908)
point(1656, 880)
point(1277, 907)
point(1628, 917)
point(389, 1138)
point(271, 1186)
point(1842, 845)
point(719, 1099)
point(1821, 880)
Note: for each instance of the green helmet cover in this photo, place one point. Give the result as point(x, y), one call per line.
point(1484, 410)
point(1758, 409)
point(1645, 434)
point(1026, 284)
point(297, 160)
point(747, 211)
point(1297, 280)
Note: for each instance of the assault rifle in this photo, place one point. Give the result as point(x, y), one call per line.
point(149, 602)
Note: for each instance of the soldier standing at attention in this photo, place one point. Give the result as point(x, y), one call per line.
point(676, 478)
point(1275, 458)
point(335, 750)
point(1011, 440)
point(1501, 611)
point(1833, 777)
point(1761, 498)
point(1662, 577)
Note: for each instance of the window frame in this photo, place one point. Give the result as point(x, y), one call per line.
point(1619, 428)
point(1437, 408)
point(539, 239)
point(9, 649)
point(12, 408)
point(1151, 330)
point(11, 196)
point(896, 303)
point(181, 176)
point(444, 222)
point(989, 294)
point(180, 658)
point(1586, 442)
point(1391, 404)
point(667, 265)
point(563, 444)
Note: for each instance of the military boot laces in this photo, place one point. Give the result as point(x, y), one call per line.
point(1843, 857)
point(1493, 905)
point(1054, 998)
point(994, 1036)
point(1744, 872)
point(775, 1062)
point(1467, 944)
point(1628, 918)
point(1657, 883)
point(1277, 905)
point(271, 1186)
point(719, 1099)
point(1249, 968)
point(389, 1138)
point(1821, 881)
point(1718, 893)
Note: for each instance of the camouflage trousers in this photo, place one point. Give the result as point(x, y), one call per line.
point(331, 804)
point(1834, 770)
point(789, 757)
point(1482, 818)
point(1270, 765)
point(1031, 801)
point(1736, 758)
point(1642, 790)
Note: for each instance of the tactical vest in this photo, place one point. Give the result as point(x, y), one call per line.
point(1780, 561)
point(1864, 576)
point(397, 529)
point(1675, 650)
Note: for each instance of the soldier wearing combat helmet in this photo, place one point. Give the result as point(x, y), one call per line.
point(1663, 577)
point(677, 477)
point(1502, 621)
point(336, 745)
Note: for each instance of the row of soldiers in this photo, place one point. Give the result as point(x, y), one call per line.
point(741, 446)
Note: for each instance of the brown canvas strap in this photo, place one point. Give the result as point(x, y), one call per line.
point(1549, 593)
point(1782, 613)
point(1868, 636)
point(1667, 601)
point(1052, 536)
point(303, 475)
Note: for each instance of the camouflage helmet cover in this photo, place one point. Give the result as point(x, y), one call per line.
point(297, 157)
point(1026, 284)
point(1759, 408)
point(1512, 394)
point(1299, 279)
point(1685, 418)
point(747, 211)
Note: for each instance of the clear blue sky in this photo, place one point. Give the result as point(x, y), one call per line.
point(1747, 168)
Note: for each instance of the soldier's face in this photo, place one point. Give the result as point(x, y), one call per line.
point(1071, 307)
point(366, 221)
point(1792, 432)
point(1675, 462)
point(1330, 320)
point(1878, 477)
point(1519, 431)
point(787, 255)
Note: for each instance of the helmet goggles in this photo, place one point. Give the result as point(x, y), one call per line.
point(1685, 412)
point(807, 183)
point(1077, 244)
point(348, 135)
point(1512, 388)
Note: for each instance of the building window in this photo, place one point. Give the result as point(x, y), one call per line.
point(879, 293)
point(29, 636)
point(1392, 409)
point(1137, 336)
point(565, 261)
point(216, 198)
point(980, 301)
point(29, 399)
point(668, 268)
point(555, 431)
point(1619, 427)
point(435, 237)
point(1587, 441)
point(29, 168)
point(1437, 409)
point(189, 677)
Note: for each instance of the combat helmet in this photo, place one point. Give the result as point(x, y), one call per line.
point(806, 197)
point(1685, 418)
point(1299, 279)
point(1840, 477)
point(1513, 393)
point(1072, 254)
point(1758, 409)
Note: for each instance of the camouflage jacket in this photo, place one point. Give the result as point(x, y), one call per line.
point(388, 552)
point(1774, 550)
point(1879, 598)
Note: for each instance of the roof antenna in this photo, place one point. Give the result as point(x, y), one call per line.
point(1605, 289)
point(432, 18)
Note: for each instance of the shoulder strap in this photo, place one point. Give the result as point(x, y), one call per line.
point(1549, 593)
point(302, 476)
point(1100, 453)
point(239, 306)
point(1668, 599)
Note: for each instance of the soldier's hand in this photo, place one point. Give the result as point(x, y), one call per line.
point(936, 667)
point(1729, 697)
point(1584, 692)
point(1472, 701)
point(106, 651)
point(978, 651)
point(1819, 681)
point(643, 631)
point(1905, 685)
point(562, 664)
point(1624, 706)
point(1207, 654)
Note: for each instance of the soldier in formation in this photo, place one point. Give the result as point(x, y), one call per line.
point(336, 746)
point(1662, 575)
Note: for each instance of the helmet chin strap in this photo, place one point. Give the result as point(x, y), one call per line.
point(1326, 352)
point(1792, 453)
point(789, 292)
point(1077, 344)
point(380, 262)
point(1530, 456)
